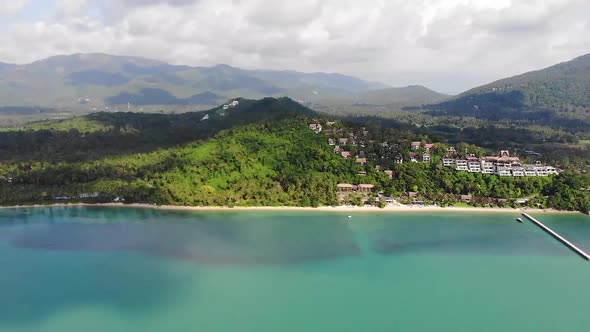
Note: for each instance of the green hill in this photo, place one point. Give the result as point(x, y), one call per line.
point(410, 95)
point(558, 87)
point(255, 153)
point(555, 96)
point(563, 87)
point(100, 134)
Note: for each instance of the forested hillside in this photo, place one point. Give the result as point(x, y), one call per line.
point(253, 153)
point(562, 86)
point(558, 96)
point(270, 163)
point(101, 134)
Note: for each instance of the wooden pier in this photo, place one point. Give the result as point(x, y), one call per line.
point(559, 237)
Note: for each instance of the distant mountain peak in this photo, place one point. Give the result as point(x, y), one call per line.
point(103, 79)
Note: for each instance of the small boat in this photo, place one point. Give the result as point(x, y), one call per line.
point(519, 219)
point(349, 217)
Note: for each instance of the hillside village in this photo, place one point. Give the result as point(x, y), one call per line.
point(372, 152)
point(356, 145)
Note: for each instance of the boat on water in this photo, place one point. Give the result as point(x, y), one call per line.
point(519, 219)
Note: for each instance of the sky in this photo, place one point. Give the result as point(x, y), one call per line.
point(446, 45)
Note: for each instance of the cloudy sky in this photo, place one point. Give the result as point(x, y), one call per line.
point(448, 45)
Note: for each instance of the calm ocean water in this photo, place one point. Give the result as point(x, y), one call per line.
point(119, 269)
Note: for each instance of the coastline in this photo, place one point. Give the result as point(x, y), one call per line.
point(388, 209)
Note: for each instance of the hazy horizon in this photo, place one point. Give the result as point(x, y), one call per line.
point(446, 45)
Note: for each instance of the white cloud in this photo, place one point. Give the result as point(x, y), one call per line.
point(12, 7)
point(449, 45)
point(70, 7)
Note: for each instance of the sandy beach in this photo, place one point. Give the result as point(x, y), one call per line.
point(352, 209)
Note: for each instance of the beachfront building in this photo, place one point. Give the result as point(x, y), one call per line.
point(466, 198)
point(448, 162)
point(488, 167)
point(461, 165)
point(365, 187)
point(551, 170)
point(504, 171)
point(517, 171)
point(530, 170)
point(474, 165)
point(345, 187)
point(541, 171)
point(503, 165)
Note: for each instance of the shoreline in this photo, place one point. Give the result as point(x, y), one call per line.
point(388, 209)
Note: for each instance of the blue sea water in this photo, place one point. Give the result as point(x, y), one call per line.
point(124, 269)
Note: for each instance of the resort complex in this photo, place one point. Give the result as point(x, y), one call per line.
point(360, 146)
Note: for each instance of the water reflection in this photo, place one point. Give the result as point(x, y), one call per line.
point(208, 238)
point(36, 286)
point(447, 234)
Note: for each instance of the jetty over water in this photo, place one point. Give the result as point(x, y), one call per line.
point(558, 237)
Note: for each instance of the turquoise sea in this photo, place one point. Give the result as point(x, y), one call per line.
point(123, 269)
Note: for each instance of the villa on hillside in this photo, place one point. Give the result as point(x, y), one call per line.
point(363, 187)
point(502, 165)
point(346, 187)
point(316, 127)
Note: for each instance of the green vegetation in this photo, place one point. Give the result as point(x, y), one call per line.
point(257, 153)
point(279, 163)
point(557, 97)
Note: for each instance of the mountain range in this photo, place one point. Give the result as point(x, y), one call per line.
point(91, 82)
point(101, 80)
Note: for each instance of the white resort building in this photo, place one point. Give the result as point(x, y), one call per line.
point(502, 165)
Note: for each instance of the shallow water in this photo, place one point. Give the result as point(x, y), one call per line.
point(122, 269)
